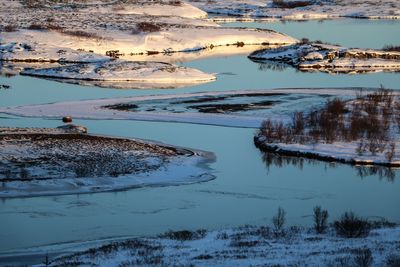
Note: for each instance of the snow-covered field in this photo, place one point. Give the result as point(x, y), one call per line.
point(283, 101)
point(243, 246)
point(35, 162)
point(301, 10)
point(331, 58)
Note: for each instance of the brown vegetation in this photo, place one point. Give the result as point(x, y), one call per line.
point(290, 4)
point(369, 120)
point(392, 48)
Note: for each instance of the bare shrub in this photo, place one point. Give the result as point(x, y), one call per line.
point(146, 27)
point(393, 260)
point(290, 3)
point(393, 48)
point(82, 34)
point(174, 3)
point(352, 226)
point(320, 219)
point(279, 219)
point(9, 28)
point(185, 235)
point(363, 257)
point(24, 174)
point(368, 120)
point(391, 152)
point(298, 123)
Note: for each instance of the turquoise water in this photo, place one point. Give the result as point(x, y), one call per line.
point(245, 191)
point(360, 33)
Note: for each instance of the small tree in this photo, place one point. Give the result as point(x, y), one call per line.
point(279, 219)
point(320, 219)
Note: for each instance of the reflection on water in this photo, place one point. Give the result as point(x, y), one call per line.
point(276, 160)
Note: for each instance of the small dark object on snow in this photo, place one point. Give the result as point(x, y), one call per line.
point(67, 119)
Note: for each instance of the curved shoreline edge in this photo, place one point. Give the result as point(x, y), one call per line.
point(192, 164)
point(274, 148)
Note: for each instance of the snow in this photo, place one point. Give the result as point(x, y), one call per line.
point(152, 9)
point(345, 151)
point(318, 9)
point(93, 109)
point(46, 44)
point(331, 58)
point(243, 246)
point(121, 71)
point(136, 163)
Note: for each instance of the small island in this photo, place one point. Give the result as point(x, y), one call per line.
point(66, 160)
point(362, 131)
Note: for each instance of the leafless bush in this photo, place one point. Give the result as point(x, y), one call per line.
point(393, 260)
point(394, 48)
point(352, 226)
point(81, 34)
point(185, 235)
point(147, 27)
point(363, 258)
point(290, 3)
point(320, 219)
point(9, 28)
point(298, 123)
point(391, 152)
point(279, 219)
point(24, 174)
point(114, 53)
point(174, 3)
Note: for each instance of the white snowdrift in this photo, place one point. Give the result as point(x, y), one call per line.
point(152, 9)
point(118, 70)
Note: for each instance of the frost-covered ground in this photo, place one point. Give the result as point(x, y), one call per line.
point(238, 108)
point(243, 246)
point(330, 58)
point(301, 9)
point(37, 162)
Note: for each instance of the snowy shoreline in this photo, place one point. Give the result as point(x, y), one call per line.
point(313, 57)
point(241, 246)
point(94, 109)
point(323, 152)
point(125, 163)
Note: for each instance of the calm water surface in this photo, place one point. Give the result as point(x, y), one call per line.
point(245, 191)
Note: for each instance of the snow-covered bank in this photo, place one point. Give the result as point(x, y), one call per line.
point(49, 45)
point(331, 58)
point(81, 163)
point(277, 104)
point(50, 33)
point(243, 246)
point(362, 131)
point(302, 10)
point(125, 73)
